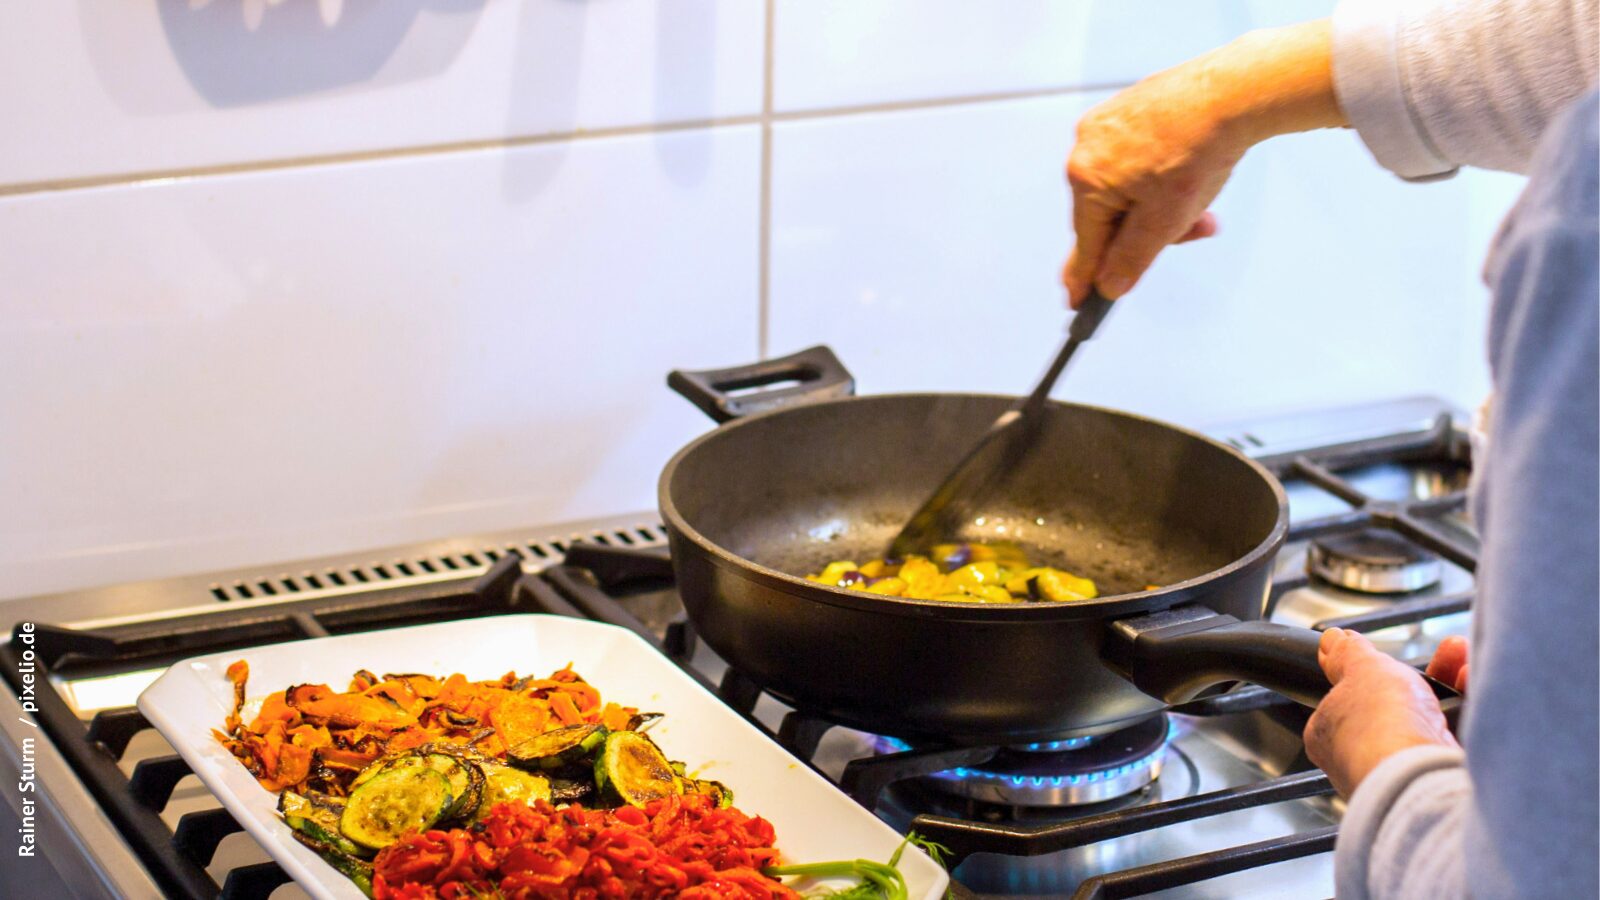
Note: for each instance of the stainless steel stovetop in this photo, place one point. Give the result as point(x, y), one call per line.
point(1213, 750)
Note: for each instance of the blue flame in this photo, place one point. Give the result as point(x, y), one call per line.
point(1068, 744)
point(962, 773)
point(1039, 781)
point(900, 746)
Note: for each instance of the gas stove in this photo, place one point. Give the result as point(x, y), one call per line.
point(1212, 799)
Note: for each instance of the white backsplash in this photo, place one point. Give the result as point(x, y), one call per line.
point(286, 279)
point(261, 366)
point(139, 86)
point(833, 53)
point(943, 275)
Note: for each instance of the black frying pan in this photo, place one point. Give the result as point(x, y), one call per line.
point(807, 474)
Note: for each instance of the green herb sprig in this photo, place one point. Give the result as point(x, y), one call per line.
point(874, 880)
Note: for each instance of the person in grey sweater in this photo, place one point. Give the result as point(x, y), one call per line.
point(1511, 810)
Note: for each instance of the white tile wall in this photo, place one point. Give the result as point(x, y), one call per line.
point(148, 85)
point(239, 370)
point(851, 52)
point(924, 246)
point(352, 317)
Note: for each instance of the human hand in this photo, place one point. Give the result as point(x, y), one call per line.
point(1378, 706)
point(1146, 164)
point(1449, 663)
point(1148, 161)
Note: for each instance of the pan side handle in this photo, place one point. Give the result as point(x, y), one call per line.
point(1176, 653)
point(817, 375)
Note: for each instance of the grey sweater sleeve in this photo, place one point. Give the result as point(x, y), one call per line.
point(1516, 814)
point(1431, 85)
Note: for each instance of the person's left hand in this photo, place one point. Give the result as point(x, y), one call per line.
point(1378, 707)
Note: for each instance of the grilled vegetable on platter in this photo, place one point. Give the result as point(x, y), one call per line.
point(419, 787)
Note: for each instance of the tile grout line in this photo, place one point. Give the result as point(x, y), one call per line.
point(765, 118)
point(361, 156)
point(764, 230)
point(950, 101)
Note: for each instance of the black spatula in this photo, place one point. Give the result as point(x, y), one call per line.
point(957, 500)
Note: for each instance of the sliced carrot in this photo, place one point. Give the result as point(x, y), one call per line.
point(311, 737)
point(615, 717)
point(565, 709)
point(588, 699)
point(409, 739)
point(274, 709)
point(347, 730)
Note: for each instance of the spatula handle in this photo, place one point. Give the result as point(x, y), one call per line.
point(1090, 313)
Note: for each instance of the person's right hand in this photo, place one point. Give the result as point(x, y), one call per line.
point(1146, 165)
point(1149, 160)
point(1449, 663)
point(1377, 707)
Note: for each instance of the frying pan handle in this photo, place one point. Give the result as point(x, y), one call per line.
point(1176, 653)
point(817, 372)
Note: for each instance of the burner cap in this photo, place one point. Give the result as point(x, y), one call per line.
point(1093, 770)
point(1373, 561)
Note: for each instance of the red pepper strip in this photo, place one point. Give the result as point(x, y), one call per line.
point(677, 847)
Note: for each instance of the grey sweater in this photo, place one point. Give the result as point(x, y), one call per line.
point(1431, 85)
point(1516, 813)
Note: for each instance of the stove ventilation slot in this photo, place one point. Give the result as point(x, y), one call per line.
point(440, 567)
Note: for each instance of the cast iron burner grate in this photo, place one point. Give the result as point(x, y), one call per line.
point(1408, 530)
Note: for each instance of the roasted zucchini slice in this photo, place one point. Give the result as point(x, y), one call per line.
point(558, 748)
point(317, 818)
point(642, 721)
point(631, 768)
point(719, 793)
point(398, 800)
point(466, 782)
point(466, 779)
point(572, 790)
point(503, 784)
point(357, 870)
point(322, 810)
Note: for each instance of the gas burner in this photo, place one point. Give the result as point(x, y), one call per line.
point(1072, 772)
point(1373, 561)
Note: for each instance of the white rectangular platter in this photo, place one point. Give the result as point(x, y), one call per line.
point(815, 822)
